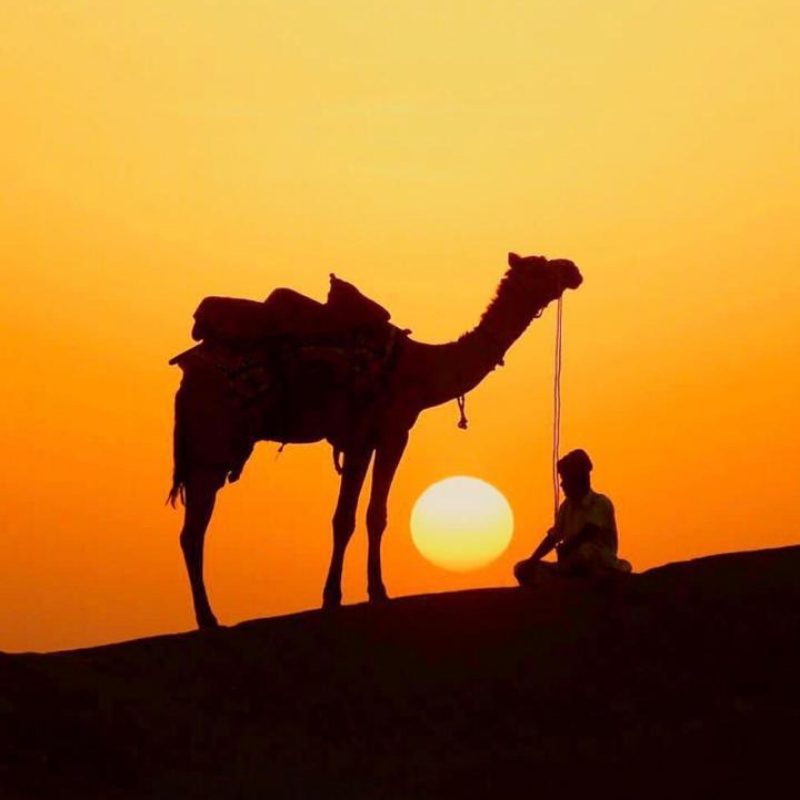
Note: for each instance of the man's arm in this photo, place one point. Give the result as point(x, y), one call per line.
point(545, 546)
point(552, 538)
point(525, 570)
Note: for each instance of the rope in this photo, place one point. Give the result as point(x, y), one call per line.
point(557, 410)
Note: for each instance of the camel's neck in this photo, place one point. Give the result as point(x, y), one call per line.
point(461, 365)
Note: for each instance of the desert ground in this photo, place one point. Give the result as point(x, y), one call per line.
point(681, 680)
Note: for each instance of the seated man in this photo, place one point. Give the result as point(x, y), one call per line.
point(585, 532)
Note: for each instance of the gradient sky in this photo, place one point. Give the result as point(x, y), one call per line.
point(153, 153)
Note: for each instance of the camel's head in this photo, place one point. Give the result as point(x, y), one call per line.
point(534, 270)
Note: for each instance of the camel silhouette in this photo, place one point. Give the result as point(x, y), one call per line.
point(215, 429)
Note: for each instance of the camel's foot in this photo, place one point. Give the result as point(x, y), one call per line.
point(331, 598)
point(207, 622)
point(378, 595)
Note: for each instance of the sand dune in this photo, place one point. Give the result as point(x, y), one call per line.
point(683, 680)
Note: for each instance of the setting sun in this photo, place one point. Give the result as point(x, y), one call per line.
point(461, 523)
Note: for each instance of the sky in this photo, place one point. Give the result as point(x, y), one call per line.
point(155, 153)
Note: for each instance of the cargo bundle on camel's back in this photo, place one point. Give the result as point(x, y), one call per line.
point(287, 313)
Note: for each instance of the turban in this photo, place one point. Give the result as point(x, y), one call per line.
point(576, 462)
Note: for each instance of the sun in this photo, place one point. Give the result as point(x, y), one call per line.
point(461, 523)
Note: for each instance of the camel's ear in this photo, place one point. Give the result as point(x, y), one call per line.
point(513, 259)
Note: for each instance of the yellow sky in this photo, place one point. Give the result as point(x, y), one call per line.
point(153, 153)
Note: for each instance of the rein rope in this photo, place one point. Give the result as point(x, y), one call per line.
point(557, 409)
point(461, 400)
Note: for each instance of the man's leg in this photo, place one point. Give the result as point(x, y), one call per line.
point(530, 573)
point(598, 563)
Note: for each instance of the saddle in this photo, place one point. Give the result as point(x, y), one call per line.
point(262, 350)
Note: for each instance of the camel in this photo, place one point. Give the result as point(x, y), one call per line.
point(210, 447)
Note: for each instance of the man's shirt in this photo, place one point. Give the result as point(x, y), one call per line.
point(593, 508)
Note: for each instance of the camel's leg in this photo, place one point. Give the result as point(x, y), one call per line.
point(201, 492)
point(387, 457)
point(344, 521)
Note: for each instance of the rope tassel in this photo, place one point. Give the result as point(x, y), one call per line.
point(462, 402)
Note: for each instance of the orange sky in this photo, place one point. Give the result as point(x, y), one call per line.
point(153, 153)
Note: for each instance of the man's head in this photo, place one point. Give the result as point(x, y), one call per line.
point(574, 469)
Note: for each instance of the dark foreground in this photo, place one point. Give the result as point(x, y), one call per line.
point(685, 681)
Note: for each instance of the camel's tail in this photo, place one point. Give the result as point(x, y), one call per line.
point(180, 467)
point(178, 491)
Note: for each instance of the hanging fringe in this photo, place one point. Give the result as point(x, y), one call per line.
point(462, 402)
